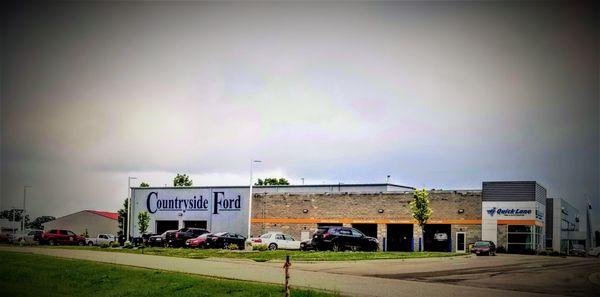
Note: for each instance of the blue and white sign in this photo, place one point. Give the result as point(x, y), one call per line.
point(223, 209)
point(508, 211)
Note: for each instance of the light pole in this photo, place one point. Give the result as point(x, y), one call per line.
point(128, 206)
point(24, 201)
point(387, 179)
point(250, 198)
point(14, 210)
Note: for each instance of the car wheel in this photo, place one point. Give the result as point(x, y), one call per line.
point(336, 247)
point(81, 243)
point(90, 243)
point(51, 242)
point(272, 247)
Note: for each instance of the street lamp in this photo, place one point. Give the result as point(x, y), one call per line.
point(128, 206)
point(24, 200)
point(250, 197)
point(302, 178)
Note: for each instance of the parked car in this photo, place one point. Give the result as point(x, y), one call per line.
point(26, 236)
point(307, 245)
point(594, 252)
point(198, 242)
point(484, 248)
point(56, 237)
point(276, 240)
point(159, 239)
point(224, 239)
point(337, 238)
point(100, 239)
point(577, 250)
point(178, 238)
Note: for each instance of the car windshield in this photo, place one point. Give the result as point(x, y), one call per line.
point(265, 236)
point(482, 244)
point(204, 235)
point(221, 234)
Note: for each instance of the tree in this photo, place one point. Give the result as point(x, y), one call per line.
point(16, 214)
point(270, 181)
point(143, 221)
point(420, 209)
point(37, 223)
point(144, 185)
point(123, 217)
point(182, 180)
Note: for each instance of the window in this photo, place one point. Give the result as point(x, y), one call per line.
point(103, 236)
point(519, 228)
point(70, 233)
point(52, 231)
point(345, 232)
point(279, 237)
point(266, 236)
point(288, 238)
point(357, 233)
point(64, 232)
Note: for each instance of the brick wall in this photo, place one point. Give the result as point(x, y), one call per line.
point(348, 208)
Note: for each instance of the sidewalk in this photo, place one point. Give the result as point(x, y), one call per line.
point(347, 285)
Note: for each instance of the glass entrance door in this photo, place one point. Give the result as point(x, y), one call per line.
point(461, 242)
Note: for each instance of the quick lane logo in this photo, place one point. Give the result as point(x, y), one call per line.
point(154, 203)
point(508, 211)
point(220, 203)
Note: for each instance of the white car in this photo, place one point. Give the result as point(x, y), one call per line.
point(28, 236)
point(595, 252)
point(277, 240)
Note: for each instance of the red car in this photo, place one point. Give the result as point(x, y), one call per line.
point(56, 237)
point(198, 242)
point(484, 248)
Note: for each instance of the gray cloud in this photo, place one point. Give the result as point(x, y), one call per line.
point(438, 95)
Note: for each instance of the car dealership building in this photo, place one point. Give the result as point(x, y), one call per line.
point(512, 214)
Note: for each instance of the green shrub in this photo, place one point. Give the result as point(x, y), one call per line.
point(115, 244)
point(260, 247)
point(233, 246)
point(127, 245)
point(104, 245)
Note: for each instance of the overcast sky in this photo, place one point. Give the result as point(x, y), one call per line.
point(440, 95)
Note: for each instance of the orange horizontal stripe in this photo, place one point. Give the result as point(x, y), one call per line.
point(359, 221)
point(519, 222)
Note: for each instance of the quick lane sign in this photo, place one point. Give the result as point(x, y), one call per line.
point(508, 211)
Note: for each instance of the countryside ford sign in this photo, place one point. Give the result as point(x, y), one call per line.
point(508, 211)
point(218, 202)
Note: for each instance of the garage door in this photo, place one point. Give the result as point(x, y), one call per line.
point(162, 226)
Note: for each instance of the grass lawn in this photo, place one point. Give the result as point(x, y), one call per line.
point(37, 275)
point(268, 255)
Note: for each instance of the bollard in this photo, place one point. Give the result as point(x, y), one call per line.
point(286, 267)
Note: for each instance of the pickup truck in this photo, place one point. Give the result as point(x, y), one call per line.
point(101, 238)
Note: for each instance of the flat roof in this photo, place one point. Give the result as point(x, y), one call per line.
point(283, 186)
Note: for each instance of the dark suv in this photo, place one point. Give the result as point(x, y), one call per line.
point(178, 238)
point(337, 238)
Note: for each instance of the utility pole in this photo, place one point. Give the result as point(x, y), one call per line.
point(24, 201)
point(128, 206)
point(250, 198)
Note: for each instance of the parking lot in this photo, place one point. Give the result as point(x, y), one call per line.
point(569, 276)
